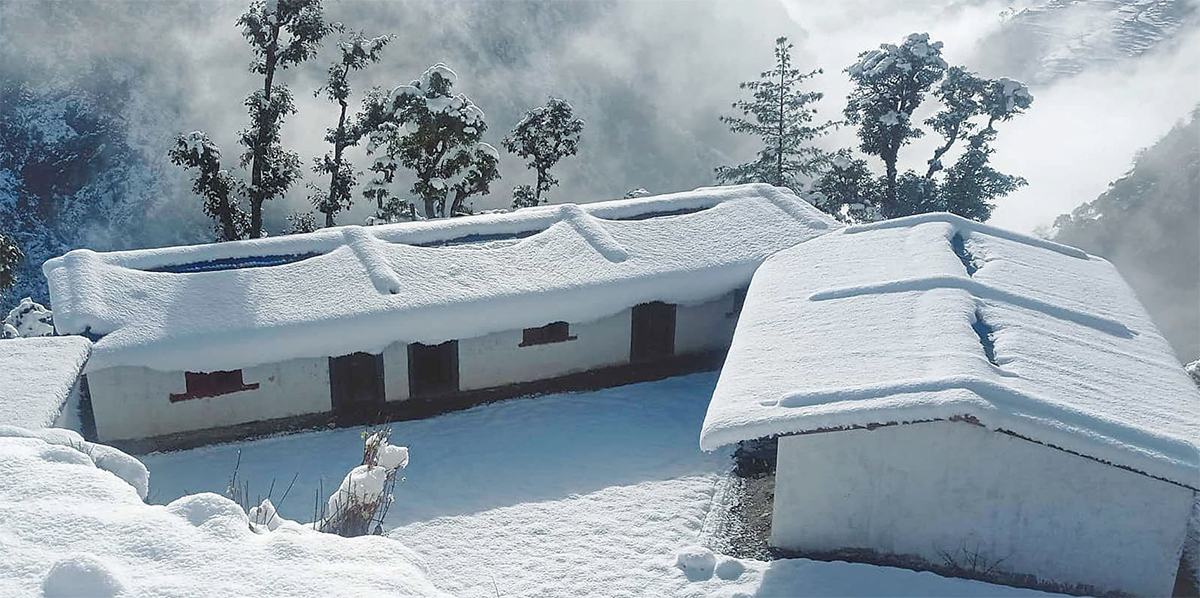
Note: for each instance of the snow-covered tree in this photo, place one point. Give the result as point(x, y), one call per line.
point(217, 186)
point(30, 318)
point(10, 258)
point(301, 222)
point(781, 115)
point(283, 33)
point(438, 134)
point(544, 136)
point(848, 190)
point(362, 499)
point(890, 84)
point(357, 52)
point(523, 196)
point(639, 192)
point(1193, 370)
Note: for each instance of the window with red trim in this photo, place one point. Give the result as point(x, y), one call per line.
point(211, 384)
point(555, 332)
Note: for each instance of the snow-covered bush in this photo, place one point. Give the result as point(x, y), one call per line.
point(366, 492)
point(29, 318)
point(1193, 369)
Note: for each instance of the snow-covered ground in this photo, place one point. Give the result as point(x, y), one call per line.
point(579, 494)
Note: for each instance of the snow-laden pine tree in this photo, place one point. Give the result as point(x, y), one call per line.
point(781, 115)
point(217, 186)
point(283, 33)
point(10, 258)
point(890, 84)
point(356, 53)
point(544, 136)
point(438, 134)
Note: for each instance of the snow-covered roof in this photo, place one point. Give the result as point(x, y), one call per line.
point(36, 377)
point(347, 289)
point(937, 317)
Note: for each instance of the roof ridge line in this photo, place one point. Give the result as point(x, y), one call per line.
point(970, 225)
point(366, 248)
point(981, 290)
point(593, 232)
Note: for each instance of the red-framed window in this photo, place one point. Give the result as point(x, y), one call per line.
point(211, 384)
point(554, 332)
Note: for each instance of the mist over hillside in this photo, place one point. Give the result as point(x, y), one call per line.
point(1148, 225)
point(650, 79)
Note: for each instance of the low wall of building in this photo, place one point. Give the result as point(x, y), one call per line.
point(499, 359)
point(707, 326)
point(960, 497)
point(135, 402)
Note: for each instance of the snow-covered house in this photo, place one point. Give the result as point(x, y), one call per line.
point(952, 396)
point(407, 319)
point(39, 381)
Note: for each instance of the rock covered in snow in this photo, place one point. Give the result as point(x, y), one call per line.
point(696, 562)
point(82, 576)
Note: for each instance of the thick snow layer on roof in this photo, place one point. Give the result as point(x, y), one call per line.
point(36, 377)
point(73, 529)
point(369, 287)
point(934, 316)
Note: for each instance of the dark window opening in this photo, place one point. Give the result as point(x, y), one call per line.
point(211, 384)
point(653, 331)
point(739, 301)
point(356, 387)
point(986, 337)
point(432, 369)
point(554, 332)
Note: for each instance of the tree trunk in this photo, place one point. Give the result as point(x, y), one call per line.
point(339, 145)
point(229, 231)
point(537, 190)
point(889, 203)
point(260, 151)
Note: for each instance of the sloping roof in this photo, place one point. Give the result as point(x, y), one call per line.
point(36, 377)
point(933, 317)
point(347, 289)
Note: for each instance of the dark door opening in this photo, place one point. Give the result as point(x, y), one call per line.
point(653, 331)
point(432, 369)
point(356, 387)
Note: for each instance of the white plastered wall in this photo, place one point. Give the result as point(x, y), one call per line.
point(944, 490)
point(498, 359)
point(134, 402)
point(705, 326)
point(395, 372)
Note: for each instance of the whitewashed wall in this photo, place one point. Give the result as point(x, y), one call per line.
point(706, 326)
point(134, 402)
point(941, 487)
point(498, 359)
point(395, 372)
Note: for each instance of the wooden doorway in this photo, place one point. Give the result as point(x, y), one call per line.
point(356, 387)
point(652, 335)
point(432, 369)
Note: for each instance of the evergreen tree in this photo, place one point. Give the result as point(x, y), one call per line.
point(890, 84)
point(217, 186)
point(283, 33)
point(544, 136)
point(848, 190)
point(357, 52)
point(10, 258)
point(781, 116)
point(427, 128)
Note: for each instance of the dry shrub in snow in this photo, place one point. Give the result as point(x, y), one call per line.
point(361, 502)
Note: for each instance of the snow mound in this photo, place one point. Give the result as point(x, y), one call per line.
point(79, 451)
point(81, 576)
point(198, 546)
point(938, 317)
point(350, 289)
point(37, 376)
point(696, 562)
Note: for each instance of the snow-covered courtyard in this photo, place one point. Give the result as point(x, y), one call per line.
point(579, 494)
